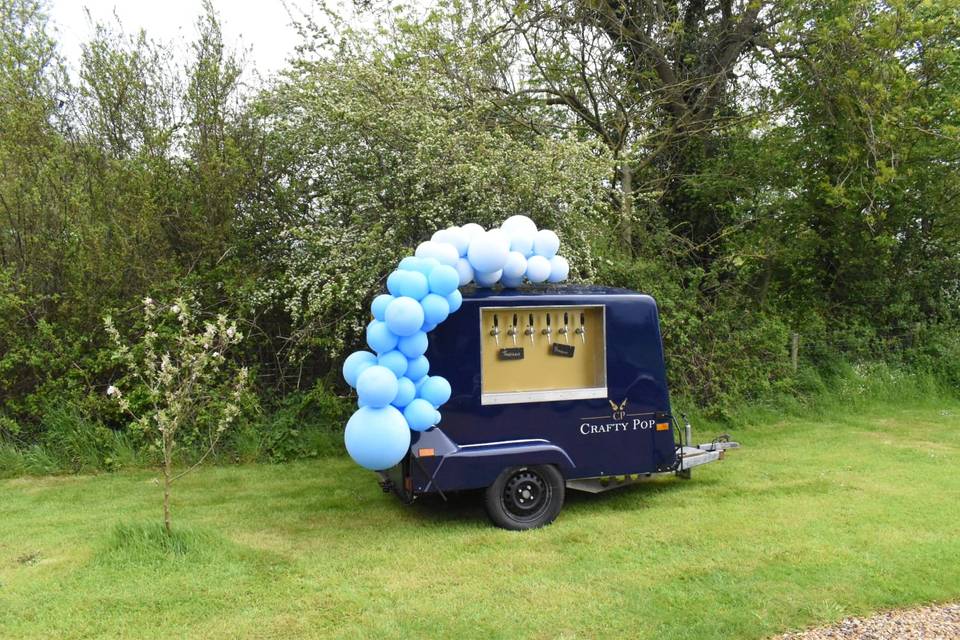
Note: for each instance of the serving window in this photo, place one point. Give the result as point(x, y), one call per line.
point(539, 354)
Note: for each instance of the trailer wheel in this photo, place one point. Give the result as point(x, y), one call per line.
point(525, 497)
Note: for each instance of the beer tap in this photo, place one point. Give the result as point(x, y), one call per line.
point(529, 331)
point(512, 331)
point(563, 330)
point(495, 332)
point(581, 330)
point(548, 331)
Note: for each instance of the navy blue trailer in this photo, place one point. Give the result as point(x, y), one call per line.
point(526, 447)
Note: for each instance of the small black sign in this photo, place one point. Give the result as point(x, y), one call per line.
point(511, 353)
point(565, 350)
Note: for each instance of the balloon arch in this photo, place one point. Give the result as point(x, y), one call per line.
point(395, 392)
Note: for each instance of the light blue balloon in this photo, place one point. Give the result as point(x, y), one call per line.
point(428, 327)
point(444, 279)
point(406, 392)
point(355, 364)
point(404, 316)
point(488, 279)
point(444, 253)
point(419, 383)
point(420, 415)
point(377, 439)
point(395, 361)
point(546, 243)
point(522, 242)
point(488, 253)
point(377, 386)
point(455, 236)
point(511, 283)
point(436, 390)
point(380, 338)
point(436, 418)
point(464, 271)
point(379, 305)
point(409, 263)
point(455, 300)
point(426, 266)
point(538, 269)
point(515, 266)
point(413, 346)
point(411, 284)
point(417, 368)
point(559, 269)
point(435, 309)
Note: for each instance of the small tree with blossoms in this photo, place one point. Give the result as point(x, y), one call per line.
point(180, 364)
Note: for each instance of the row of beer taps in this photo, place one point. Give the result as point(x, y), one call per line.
point(547, 331)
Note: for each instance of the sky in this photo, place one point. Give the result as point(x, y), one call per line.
point(260, 25)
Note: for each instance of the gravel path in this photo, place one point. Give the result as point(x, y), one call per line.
point(938, 622)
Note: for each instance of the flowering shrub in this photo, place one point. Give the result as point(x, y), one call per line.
point(181, 367)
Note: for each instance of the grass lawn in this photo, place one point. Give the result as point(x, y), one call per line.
point(814, 519)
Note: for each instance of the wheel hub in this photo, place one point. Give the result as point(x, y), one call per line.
point(526, 494)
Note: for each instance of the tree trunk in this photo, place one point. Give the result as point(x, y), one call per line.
point(167, 481)
point(626, 206)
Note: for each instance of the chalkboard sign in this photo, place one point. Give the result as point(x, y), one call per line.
point(511, 353)
point(565, 350)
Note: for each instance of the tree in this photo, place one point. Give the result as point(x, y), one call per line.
point(180, 370)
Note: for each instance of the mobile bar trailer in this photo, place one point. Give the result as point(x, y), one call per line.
point(553, 387)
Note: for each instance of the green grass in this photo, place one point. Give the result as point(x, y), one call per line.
point(844, 512)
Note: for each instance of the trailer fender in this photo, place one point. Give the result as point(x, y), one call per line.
point(477, 466)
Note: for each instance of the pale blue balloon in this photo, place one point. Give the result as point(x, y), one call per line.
point(404, 316)
point(455, 300)
point(465, 271)
point(420, 414)
point(435, 309)
point(538, 269)
point(413, 346)
point(379, 305)
point(444, 280)
point(417, 368)
point(419, 383)
point(411, 284)
point(522, 242)
point(409, 263)
point(472, 229)
point(511, 283)
point(559, 269)
point(426, 267)
point(518, 224)
point(394, 360)
point(436, 390)
point(377, 386)
point(546, 243)
point(454, 236)
point(515, 266)
point(488, 279)
point(380, 338)
point(436, 418)
point(488, 253)
point(406, 392)
point(428, 327)
point(377, 439)
point(355, 364)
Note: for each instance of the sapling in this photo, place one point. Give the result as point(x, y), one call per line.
point(181, 367)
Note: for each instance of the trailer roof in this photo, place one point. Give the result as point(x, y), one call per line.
point(485, 293)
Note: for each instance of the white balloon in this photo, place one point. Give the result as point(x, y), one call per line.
point(515, 224)
point(538, 269)
point(488, 279)
point(559, 269)
point(440, 251)
point(488, 253)
point(464, 270)
point(472, 229)
point(522, 242)
point(546, 243)
point(515, 266)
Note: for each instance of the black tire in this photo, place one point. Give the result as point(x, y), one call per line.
point(525, 497)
